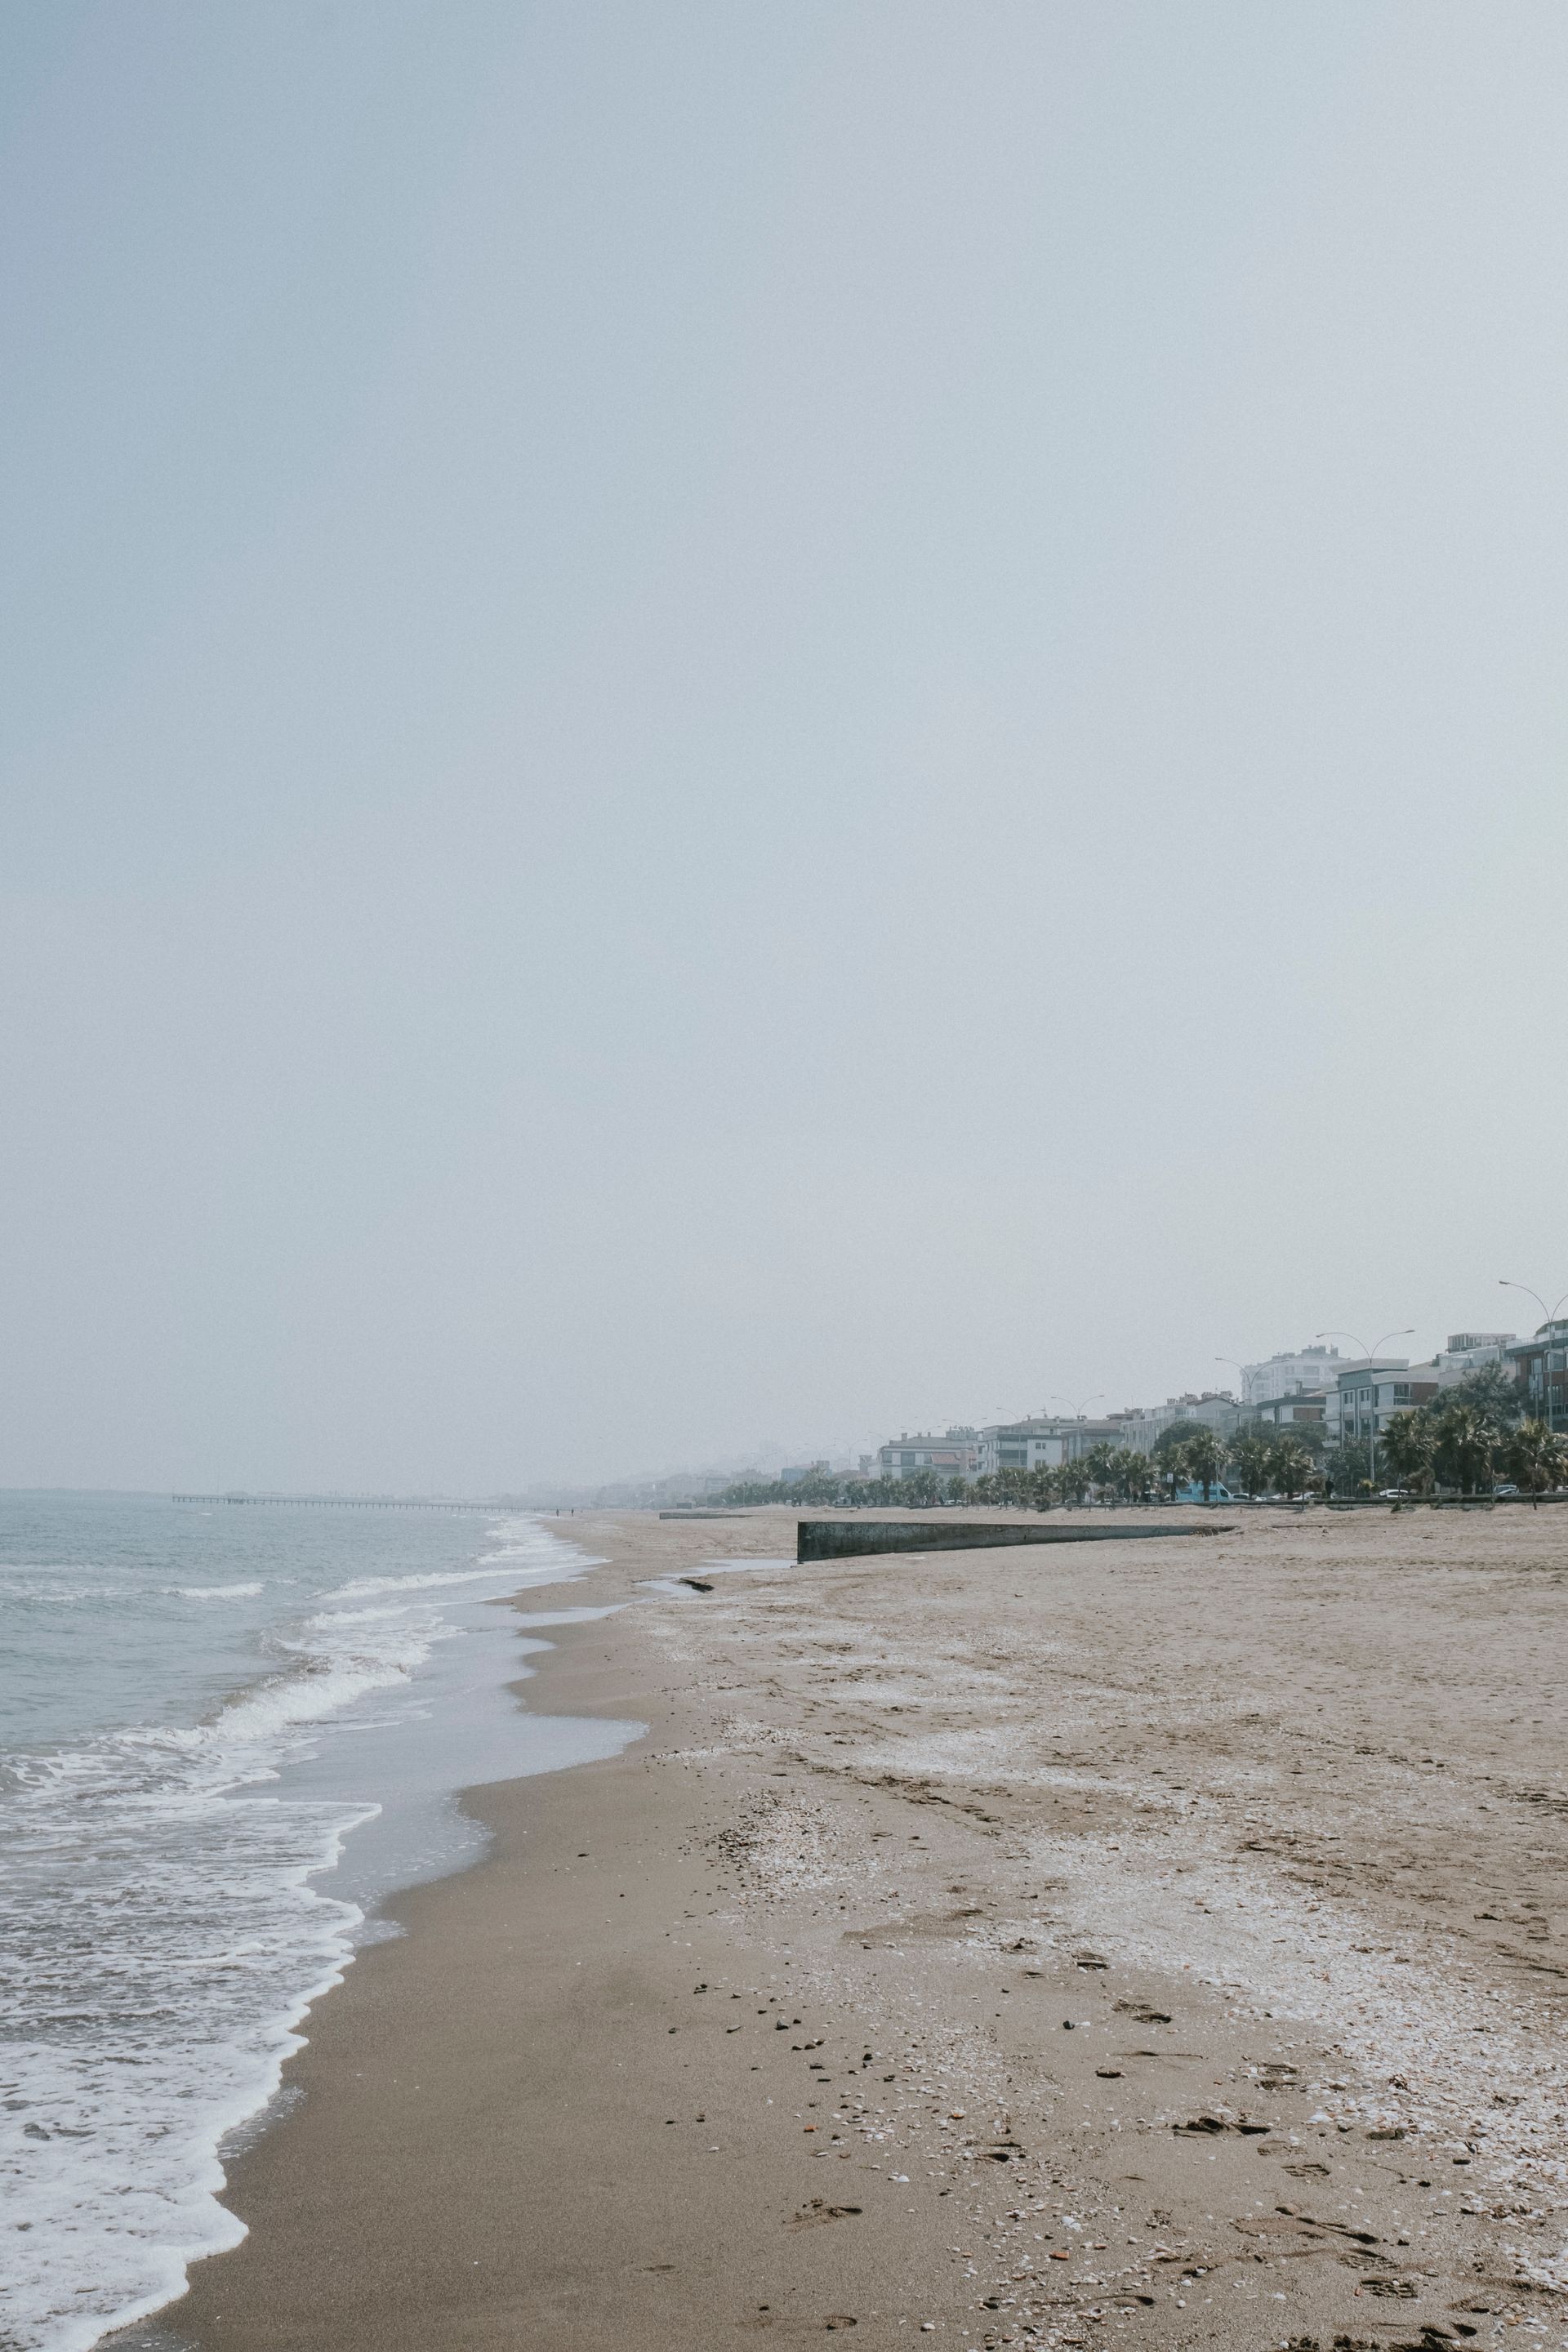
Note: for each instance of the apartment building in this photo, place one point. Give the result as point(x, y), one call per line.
point(1215, 1409)
point(953, 1454)
point(1470, 1351)
point(1365, 1394)
point(1042, 1444)
point(1540, 1365)
point(1287, 1374)
point(1290, 1412)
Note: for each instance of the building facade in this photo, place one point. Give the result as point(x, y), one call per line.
point(1290, 1412)
point(1365, 1396)
point(955, 1454)
point(1470, 1351)
point(1287, 1374)
point(1540, 1365)
point(1215, 1408)
point(1042, 1444)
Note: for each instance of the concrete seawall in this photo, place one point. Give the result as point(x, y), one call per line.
point(843, 1538)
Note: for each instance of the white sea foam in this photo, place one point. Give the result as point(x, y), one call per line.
point(161, 1941)
point(363, 1587)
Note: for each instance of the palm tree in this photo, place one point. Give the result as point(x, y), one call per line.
point(1251, 1461)
point(1100, 1466)
point(1464, 1442)
point(1537, 1458)
point(1170, 1464)
point(1074, 1479)
point(1205, 1460)
point(1135, 1480)
point(1291, 1466)
point(1046, 1484)
point(1407, 1447)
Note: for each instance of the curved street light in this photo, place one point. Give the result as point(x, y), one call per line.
point(1369, 1353)
point(1549, 1313)
point(1078, 1412)
point(1077, 1409)
point(1550, 1316)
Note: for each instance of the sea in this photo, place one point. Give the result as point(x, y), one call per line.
point(227, 1732)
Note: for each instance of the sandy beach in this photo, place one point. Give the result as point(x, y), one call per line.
point(1146, 1944)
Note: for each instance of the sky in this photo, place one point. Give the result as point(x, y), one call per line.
point(770, 722)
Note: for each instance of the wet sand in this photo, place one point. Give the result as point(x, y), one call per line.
point(1157, 1945)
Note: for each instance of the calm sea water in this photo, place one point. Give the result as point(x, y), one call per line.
point(225, 1731)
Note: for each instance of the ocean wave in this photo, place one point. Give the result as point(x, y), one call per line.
point(159, 1938)
point(432, 1580)
point(211, 1948)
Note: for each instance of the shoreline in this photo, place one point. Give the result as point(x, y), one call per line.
point(934, 1808)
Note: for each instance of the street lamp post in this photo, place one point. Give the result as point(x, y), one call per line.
point(1550, 1315)
point(1077, 1409)
point(1241, 1392)
point(1369, 1353)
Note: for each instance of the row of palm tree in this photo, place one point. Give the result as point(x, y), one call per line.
point(1188, 1458)
point(1459, 1444)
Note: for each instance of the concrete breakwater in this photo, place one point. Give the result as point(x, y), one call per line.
point(843, 1538)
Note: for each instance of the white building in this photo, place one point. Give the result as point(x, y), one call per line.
point(1216, 1410)
point(1038, 1444)
point(1042, 1444)
point(1290, 1412)
point(1470, 1351)
point(1369, 1391)
point(1287, 1374)
point(952, 1455)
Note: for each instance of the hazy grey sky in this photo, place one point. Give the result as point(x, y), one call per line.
point(750, 719)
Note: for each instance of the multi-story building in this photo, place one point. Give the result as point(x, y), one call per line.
point(1042, 1444)
point(1364, 1394)
point(1035, 1445)
point(1540, 1365)
point(1289, 1412)
point(1470, 1351)
point(1287, 1374)
point(952, 1455)
point(1215, 1408)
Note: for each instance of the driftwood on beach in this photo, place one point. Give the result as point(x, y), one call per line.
point(843, 1538)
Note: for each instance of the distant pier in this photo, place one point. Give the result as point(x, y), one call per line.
point(345, 1502)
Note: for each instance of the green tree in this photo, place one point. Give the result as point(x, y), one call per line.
point(1251, 1461)
point(1492, 1393)
point(1046, 1484)
point(1170, 1466)
point(1073, 1478)
point(1171, 1452)
point(1537, 1459)
point(1347, 1467)
point(1134, 1475)
point(1465, 1442)
point(1291, 1466)
point(1409, 1444)
point(1099, 1467)
point(1205, 1460)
